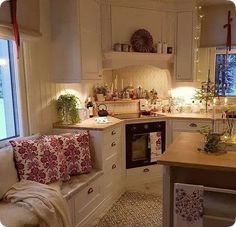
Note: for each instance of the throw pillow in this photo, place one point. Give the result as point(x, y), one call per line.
point(77, 153)
point(8, 174)
point(41, 160)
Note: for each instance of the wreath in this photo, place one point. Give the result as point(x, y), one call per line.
point(142, 41)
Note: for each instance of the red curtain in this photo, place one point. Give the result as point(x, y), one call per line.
point(13, 7)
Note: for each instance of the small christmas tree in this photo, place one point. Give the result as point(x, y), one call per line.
point(206, 93)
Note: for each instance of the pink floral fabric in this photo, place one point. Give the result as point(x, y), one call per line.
point(41, 160)
point(77, 153)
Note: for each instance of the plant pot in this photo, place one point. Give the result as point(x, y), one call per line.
point(100, 98)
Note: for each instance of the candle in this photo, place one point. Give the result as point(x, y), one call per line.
point(115, 85)
point(225, 101)
point(122, 84)
point(111, 87)
point(214, 101)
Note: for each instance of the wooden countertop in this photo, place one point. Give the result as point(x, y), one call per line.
point(202, 116)
point(184, 152)
point(90, 124)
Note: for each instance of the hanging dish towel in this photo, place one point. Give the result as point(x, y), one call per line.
point(155, 141)
point(188, 205)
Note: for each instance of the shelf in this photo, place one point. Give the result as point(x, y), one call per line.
point(115, 60)
point(119, 101)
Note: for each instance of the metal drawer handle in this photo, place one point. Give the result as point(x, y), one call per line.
point(113, 132)
point(113, 166)
point(193, 125)
point(146, 170)
point(90, 191)
point(113, 144)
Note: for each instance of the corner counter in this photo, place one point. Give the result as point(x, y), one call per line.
point(183, 163)
point(90, 124)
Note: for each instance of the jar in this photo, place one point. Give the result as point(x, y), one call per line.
point(125, 47)
point(117, 47)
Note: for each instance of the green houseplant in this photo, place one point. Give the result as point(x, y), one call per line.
point(67, 108)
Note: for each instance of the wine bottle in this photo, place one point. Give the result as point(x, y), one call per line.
point(90, 107)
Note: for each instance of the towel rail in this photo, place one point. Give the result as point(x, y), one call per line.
point(218, 218)
point(220, 190)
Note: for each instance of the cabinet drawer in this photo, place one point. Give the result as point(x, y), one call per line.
point(189, 125)
point(112, 134)
point(112, 173)
point(88, 199)
point(111, 148)
point(144, 174)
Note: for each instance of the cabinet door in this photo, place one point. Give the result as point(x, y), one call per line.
point(65, 42)
point(184, 62)
point(90, 34)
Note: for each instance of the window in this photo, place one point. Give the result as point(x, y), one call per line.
point(9, 124)
point(225, 76)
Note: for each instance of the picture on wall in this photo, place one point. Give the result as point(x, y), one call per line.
point(225, 75)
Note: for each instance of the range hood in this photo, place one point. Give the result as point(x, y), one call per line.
point(116, 60)
point(213, 33)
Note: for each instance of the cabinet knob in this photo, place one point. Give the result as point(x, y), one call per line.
point(113, 132)
point(146, 170)
point(113, 144)
point(113, 166)
point(90, 190)
point(193, 125)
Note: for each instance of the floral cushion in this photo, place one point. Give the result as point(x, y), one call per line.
point(41, 160)
point(77, 153)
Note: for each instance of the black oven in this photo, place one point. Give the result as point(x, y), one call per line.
point(144, 142)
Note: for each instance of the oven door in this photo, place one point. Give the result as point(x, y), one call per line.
point(143, 148)
point(144, 143)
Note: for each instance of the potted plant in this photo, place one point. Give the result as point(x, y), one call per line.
point(67, 108)
point(100, 92)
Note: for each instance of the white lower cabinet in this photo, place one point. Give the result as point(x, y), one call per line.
point(188, 125)
point(91, 202)
point(88, 200)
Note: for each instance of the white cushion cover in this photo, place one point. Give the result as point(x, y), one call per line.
point(8, 174)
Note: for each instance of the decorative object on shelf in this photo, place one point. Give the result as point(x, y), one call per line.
point(101, 92)
point(142, 41)
point(67, 108)
point(206, 93)
point(117, 47)
point(102, 110)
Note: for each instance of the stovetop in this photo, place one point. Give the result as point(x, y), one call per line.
point(137, 115)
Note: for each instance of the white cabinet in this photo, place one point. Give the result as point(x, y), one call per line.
point(184, 46)
point(188, 125)
point(76, 40)
point(113, 163)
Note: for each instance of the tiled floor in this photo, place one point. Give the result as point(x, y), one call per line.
point(134, 209)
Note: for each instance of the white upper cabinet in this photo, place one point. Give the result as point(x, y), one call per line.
point(184, 46)
point(76, 40)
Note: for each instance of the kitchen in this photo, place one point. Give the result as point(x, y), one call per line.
point(87, 48)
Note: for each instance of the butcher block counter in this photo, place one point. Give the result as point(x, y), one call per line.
point(184, 152)
point(184, 164)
